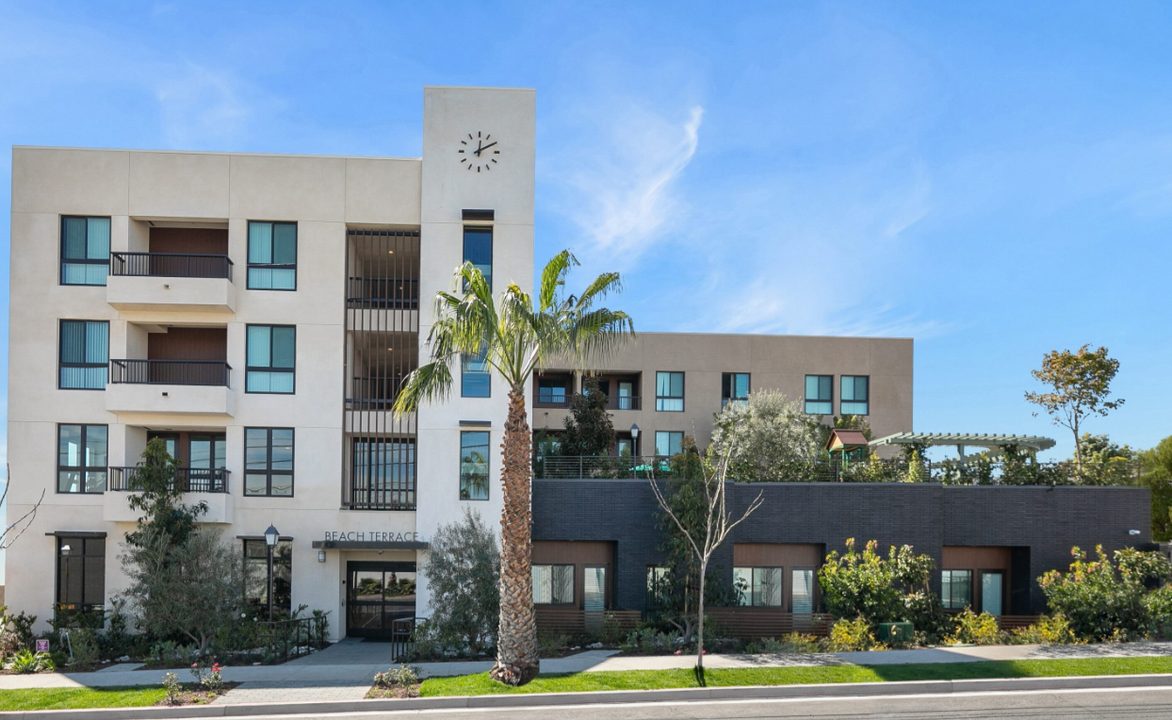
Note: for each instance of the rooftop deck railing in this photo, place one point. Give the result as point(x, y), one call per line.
point(188, 265)
point(171, 372)
point(187, 479)
point(1006, 473)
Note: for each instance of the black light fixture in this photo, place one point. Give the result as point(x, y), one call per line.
point(272, 536)
point(634, 440)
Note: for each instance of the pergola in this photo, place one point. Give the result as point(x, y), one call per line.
point(992, 444)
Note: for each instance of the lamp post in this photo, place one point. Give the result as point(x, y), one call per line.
point(272, 535)
point(634, 449)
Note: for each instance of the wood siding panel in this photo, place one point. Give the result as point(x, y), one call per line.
point(573, 553)
point(777, 555)
point(188, 344)
point(189, 241)
point(976, 558)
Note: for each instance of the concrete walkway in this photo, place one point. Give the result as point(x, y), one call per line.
point(345, 670)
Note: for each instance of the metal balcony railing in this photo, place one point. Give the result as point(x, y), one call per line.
point(382, 292)
point(139, 264)
point(613, 402)
point(171, 372)
point(204, 480)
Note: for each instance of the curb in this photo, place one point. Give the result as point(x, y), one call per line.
point(761, 692)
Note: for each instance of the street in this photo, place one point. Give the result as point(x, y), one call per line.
point(1129, 703)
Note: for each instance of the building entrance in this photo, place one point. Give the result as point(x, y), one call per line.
point(378, 594)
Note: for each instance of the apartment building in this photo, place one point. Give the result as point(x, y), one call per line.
point(258, 314)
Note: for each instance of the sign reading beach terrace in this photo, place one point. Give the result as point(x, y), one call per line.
point(384, 536)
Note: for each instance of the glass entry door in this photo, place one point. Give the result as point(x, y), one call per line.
point(594, 588)
point(377, 594)
point(992, 585)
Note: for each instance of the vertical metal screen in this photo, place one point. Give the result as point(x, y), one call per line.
point(382, 324)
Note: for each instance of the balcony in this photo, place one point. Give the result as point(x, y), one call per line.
point(174, 282)
point(195, 387)
point(205, 485)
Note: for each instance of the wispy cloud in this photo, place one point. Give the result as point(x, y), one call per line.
point(198, 104)
point(622, 194)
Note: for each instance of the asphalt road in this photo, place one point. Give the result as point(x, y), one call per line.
point(1125, 704)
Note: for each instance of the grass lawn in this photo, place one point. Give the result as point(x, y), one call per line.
point(74, 698)
point(663, 679)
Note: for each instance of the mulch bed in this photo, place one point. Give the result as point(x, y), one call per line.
point(196, 695)
point(392, 693)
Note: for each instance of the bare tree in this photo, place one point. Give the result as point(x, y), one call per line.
point(716, 526)
point(10, 532)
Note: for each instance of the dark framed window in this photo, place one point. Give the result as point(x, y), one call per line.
point(272, 359)
point(669, 392)
point(272, 255)
point(85, 250)
point(474, 465)
point(552, 391)
point(553, 585)
point(667, 442)
point(734, 387)
point(382, 473)
point(268, 462)
point(658, 586)
point(856, 395)
point(256, 573)
point(81, 458)
point(84, 354)
point(475, 377)
point(478, 250)
point(820, 394)
point(81, 572)
point(758, 586)
point(956, 589)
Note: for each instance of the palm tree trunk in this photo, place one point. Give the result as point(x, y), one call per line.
point(517, 661)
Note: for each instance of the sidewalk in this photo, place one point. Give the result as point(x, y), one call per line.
point(345, 670)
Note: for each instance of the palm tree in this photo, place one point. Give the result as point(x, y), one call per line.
point(515, 338)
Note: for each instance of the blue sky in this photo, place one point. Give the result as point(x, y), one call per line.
point(992, 179)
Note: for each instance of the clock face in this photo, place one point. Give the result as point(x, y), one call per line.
point(478, 152)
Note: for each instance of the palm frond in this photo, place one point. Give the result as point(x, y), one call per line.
point(428, 383)
point(553, 277)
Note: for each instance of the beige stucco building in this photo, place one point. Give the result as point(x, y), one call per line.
point(257, 314)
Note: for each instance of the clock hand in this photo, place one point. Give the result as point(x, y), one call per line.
point(479, 150)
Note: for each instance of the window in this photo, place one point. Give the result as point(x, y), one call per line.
point(475, 379)
point(81, 572)
point(658, 586)
point(669, 392)
point(551, 391)
point(272, 255)
point(802, 591)
point(268, 461)
point(820, 394)
point(667, 442)
point(85, 250)
point(855, 394)
point(553, 584)
point(272, 351)
point(84, 354)
point(478, 250)
point(734, 387)
point(256, 574)
point(956, 589)
point(81, 458)
point(474, 465)
point(383, 474)
point(758, 586)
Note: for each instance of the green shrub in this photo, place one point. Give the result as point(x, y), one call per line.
point(791, 643)
point(26, 661)
point(867, 584)
point(974, 629)
point(1048, 630)
point(1158, 605)
point(854, 634)
point(552, 644)
point(172, 686)
point(925, 612)
point(85, 649)
point(402, 676)
point(170, 654)
point(1104, 600)
point(650, 641)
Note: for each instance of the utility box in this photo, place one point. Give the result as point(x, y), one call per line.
point(896, 633)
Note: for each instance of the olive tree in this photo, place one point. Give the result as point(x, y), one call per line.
point(1079, 388)
point(463, 571)
point(766, 439)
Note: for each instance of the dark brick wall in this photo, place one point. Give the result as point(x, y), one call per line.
point(1041, 523)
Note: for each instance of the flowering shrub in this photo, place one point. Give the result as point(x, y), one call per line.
point(171, 685)
point(975, 629)
point(402, 676)
point(853, 635)
point(1104, 600)
point(1048, 630)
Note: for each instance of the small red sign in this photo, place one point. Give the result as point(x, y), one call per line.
point(42, 646)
